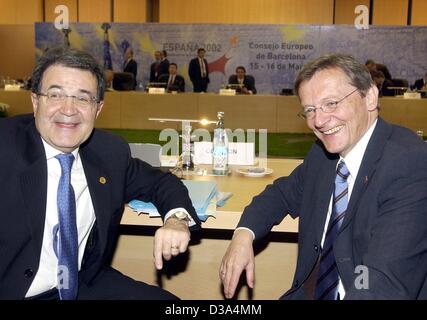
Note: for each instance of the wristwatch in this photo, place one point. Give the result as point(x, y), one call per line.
point(181, 215)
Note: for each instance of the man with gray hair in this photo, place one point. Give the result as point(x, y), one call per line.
point(360, 196)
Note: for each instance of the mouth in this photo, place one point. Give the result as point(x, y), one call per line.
point(66, 125)
point(333, 130)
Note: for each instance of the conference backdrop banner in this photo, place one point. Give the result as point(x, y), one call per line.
point(273, 54)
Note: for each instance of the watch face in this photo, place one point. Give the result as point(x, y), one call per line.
point(181, 215)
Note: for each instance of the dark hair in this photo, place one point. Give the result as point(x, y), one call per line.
point(241, 68)
point(358, 75)
point(70, 58)
point(173, 64)
point(377, 74)
point(369, 61)
point(200, 50)
point(165, 54)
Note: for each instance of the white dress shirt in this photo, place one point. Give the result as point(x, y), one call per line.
point(202, 68)
point(352, 160)
point(46, 276)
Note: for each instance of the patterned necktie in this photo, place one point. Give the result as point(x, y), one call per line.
point(328, 278)
point(171, 79)
point(202, 68)
point(68, 243)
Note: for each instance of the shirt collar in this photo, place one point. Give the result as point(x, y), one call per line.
point(51, 152)
point(353, 159)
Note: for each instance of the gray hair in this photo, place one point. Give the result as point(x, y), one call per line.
point(357, 73)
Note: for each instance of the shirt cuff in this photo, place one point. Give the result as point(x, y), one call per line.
point(244, 228)
point(191, 222)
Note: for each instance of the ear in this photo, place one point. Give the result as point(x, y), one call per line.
point(35, 102)
point(372, 98)
point(100, 105)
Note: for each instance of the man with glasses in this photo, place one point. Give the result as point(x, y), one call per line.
point(64, 186)
point(360, 196)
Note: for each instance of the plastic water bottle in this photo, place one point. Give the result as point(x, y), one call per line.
point(220, 147)
point(187, 161)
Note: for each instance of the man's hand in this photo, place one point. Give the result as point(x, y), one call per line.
point(170, 240)
point(239, 257)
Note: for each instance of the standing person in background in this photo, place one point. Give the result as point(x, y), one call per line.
point(164, 63)
point(155, 67)
point(130, 64)
point(199, 72)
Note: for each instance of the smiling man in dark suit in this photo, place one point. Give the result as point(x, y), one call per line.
point(64, 187)
point(360, 196)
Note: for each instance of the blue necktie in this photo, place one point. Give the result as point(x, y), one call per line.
point(328, 277)
point(67, 252)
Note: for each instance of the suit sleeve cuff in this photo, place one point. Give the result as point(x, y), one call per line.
point(191, 222)
point(244, 228)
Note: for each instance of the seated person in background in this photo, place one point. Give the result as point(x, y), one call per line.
point(246, 81)
point(382, 83)
point(384, 70)
point(174, 81)
point(421, 84)
point(371, 65)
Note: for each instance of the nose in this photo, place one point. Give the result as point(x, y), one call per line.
point(320, 118)
point(68, 106)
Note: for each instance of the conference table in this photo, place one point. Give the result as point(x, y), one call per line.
point(131, 110)
point(195, 275)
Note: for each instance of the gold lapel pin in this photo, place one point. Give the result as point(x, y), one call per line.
point(102, 180)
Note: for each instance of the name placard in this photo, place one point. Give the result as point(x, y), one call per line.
point(156, 90)
point(239, 153)
point(412, 95)
point(12, 87)
point(227, 92)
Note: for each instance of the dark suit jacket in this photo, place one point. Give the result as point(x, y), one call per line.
point(131, 67)
point(164, 67)
point(384, 91)
point(419, 84)
point(178, 83)
point(194, 70)
point(248, 82)
point(154, 71)
point(383, 68)
point(385, 225)
point(23, 185)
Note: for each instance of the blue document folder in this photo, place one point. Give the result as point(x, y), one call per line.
point(201, 193)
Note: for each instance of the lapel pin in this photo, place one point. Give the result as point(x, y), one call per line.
point(366, 179)
point(102, 180)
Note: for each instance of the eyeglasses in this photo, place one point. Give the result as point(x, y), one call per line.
point(56, 96)
point(308, 111)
